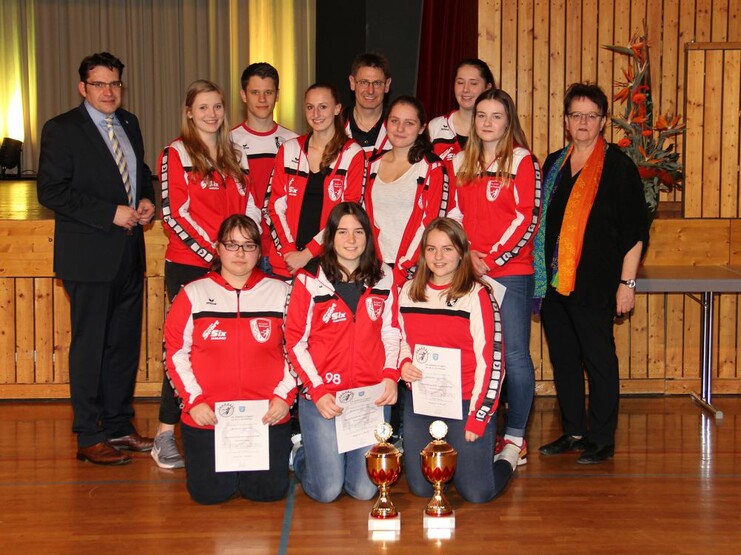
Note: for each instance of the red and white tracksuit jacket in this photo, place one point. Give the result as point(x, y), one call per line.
point(330, 348)
point(430, 202)
point(471, 324)
point(444, 138)
point(287, 188)
point(193, 208)
point(258, 158)
point(225, 344)
point(501, 220)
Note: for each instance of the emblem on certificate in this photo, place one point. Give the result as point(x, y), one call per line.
point(383, 463)
point(438, 461)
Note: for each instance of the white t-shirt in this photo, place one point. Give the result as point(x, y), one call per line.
point(392, 206)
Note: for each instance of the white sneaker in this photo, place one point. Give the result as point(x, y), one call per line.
point(165, 451)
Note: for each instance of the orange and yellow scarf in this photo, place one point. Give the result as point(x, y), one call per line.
point(571, 239)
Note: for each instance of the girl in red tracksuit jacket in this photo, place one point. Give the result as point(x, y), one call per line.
point(224, 342)
point(312, 174)
point(447, 306)
point(341, 333)
point(202, 183)
point(407, 188)
point(449, 133)
point(498, 198)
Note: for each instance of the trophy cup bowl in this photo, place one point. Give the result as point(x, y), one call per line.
point(438, 460)
point(383, 463)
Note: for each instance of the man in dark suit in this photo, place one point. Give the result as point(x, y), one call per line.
point(92, 174)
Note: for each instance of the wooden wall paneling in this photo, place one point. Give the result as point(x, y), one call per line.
point(590, 45)
point(671, 52)
point(696, 242)
point(637, 17)
point(691, 350)
point(730, 184)
point(572, 41)
point(7, 330)
point(524, 96)
point(656, 336)
point(734, 20)
point(490, 40)
point(62, 333)
point(43, 330)
point(639, 338)
point(606, 75)
point(686, 35)
point(557, 75)
point(541, 81)
point(703, 20)
point(711, 134)
point(734, 257)
point(726, 333)
point(674, 361)
point(26, 247)
point(155, 327)
point(621, 36)
point(654, 23)
point(719, 20)
point(737, 374)
point(693, 154)
point(24, 325)
point(510, 45)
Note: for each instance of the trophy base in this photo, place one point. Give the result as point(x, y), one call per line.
point(439, 527)
point(446, 522)
point(380, 524)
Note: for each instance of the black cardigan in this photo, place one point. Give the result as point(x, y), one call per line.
point(617, 221)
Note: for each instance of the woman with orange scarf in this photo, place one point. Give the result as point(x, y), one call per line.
point(593, 229)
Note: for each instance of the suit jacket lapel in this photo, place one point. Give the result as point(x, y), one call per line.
point(97, 140)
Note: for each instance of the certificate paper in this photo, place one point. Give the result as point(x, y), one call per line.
point(241, 440)
point(438, 393)
point(359, 418)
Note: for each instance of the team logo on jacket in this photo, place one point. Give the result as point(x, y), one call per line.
point(374, 306)
point(260, 328)
point(213, 332)
point(448, 154)
point(334, 189)
point(493, 186)
point(333, 315)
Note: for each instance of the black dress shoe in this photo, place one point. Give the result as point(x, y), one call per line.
point(564, 444)
point(595, 454)
point(133, 442)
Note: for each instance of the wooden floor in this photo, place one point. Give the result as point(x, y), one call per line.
point(674, 486)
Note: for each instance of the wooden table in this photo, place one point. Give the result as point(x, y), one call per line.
point(707, 281)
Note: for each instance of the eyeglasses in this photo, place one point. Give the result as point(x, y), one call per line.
point(591, 116)
point(100, 85)
point(364, 83)
point(234, 247)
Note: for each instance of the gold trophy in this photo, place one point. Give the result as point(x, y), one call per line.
point(383, 462)
point(438, 466)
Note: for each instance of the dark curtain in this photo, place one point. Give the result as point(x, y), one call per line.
point(449, 34)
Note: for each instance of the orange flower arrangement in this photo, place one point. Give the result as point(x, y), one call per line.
point(651, 145)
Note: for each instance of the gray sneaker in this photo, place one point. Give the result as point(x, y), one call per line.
point(165, 451)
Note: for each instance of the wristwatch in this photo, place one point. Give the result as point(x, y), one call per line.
point(629, 283)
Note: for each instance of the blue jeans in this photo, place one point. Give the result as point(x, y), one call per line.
point(322, 471)
point(476, 478)
point(519, 372)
